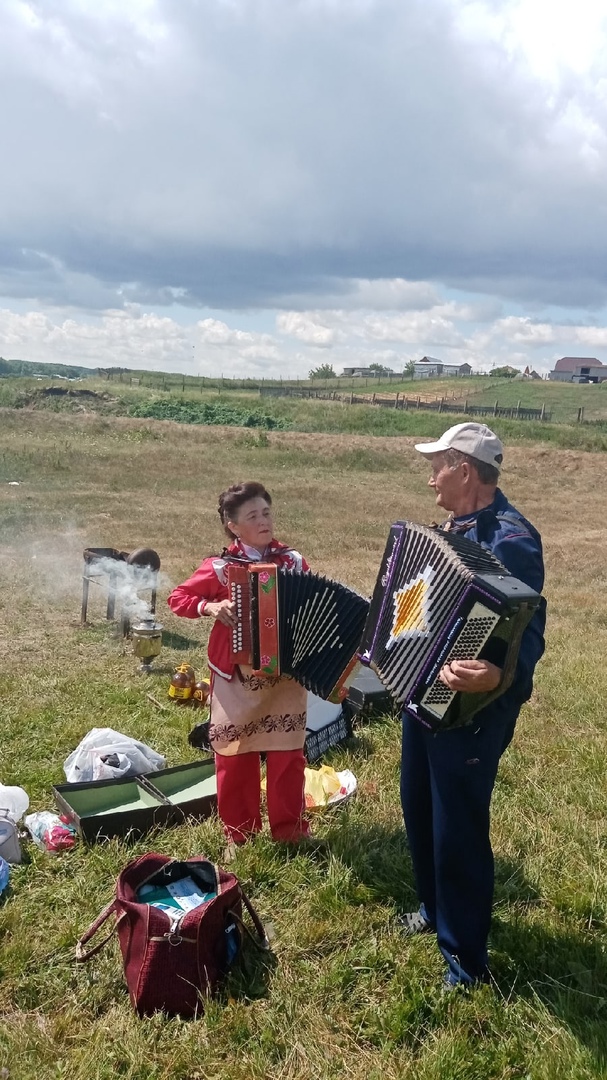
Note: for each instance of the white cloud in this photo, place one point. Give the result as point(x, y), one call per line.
point(307, 327)
point(216, 332)
point(524, 331)
point(138, 339)
point(411, 328)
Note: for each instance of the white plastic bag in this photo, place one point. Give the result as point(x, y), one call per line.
point(15, 801)
point(49, 832)
point(105, 754)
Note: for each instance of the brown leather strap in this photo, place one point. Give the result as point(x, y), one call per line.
point(83, 954)
point(261, 941)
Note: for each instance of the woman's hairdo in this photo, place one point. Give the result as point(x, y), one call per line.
point(233, 498)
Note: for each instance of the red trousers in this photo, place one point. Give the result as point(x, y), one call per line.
point(239, 794)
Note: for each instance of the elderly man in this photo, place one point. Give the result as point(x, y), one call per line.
point(447, 779)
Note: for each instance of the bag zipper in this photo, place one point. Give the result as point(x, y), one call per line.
point(173, 935)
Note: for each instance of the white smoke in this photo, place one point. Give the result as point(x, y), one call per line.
point(55, 567)
point(127, 582)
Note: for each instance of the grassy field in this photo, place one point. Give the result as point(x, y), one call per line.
point(237, 406)
point(345, 996)
point(563, 399)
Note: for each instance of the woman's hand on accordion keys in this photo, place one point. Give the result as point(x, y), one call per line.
point(224, 611)
point(471, 676)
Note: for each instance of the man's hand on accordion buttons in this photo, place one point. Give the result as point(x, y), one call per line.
point(471, 676)
point(223, 611)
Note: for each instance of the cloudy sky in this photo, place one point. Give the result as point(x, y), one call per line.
point(255, 187)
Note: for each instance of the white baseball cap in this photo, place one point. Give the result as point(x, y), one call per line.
point(477, 440)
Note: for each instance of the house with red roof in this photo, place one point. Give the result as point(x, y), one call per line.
point(585, 369)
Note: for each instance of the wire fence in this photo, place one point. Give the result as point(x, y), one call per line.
point(402, 401)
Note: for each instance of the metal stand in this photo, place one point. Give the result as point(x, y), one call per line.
point(98, 564)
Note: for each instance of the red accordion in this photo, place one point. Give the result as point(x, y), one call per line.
point(298, 624)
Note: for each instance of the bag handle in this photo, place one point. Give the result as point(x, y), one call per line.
point(83, 954)
point(261, 941)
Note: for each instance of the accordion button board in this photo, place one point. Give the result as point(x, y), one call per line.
point(238, 591)
point(441, 597)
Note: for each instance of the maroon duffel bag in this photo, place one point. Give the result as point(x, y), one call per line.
point(172, 962)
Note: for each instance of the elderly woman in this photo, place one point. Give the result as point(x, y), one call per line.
point(249, 714)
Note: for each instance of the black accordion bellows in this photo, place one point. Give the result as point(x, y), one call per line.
point(440, 597)
point(320, 626)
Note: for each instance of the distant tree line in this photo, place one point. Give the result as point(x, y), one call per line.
point(30, 367)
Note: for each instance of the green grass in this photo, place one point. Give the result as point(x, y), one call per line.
point(206, 412)
point(230, 407)
point(344, 995)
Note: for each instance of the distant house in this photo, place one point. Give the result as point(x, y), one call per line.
point(365, 372)
point(457, 369)
point(431, 368)
point(579, 369)
point(350, 371)
point(427, 368)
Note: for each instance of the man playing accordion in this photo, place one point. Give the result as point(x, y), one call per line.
point(447, 778)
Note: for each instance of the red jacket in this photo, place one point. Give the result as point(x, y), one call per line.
point(209, 582)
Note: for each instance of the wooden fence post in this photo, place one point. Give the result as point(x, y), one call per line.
point(465, 406)
point(543, 411)
point(495, 409)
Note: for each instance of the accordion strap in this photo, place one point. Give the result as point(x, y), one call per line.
point(521, 618)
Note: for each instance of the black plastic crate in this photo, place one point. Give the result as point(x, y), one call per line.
point(327, 726)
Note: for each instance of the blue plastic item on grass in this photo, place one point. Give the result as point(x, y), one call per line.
point(4, 874)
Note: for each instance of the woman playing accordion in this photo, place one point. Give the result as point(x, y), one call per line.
point(249, 714)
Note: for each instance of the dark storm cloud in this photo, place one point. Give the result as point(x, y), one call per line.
point(238, 155)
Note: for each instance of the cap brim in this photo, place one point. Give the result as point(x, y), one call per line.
point(431, 447)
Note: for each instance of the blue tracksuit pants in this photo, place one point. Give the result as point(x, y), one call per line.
point(447, 781)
